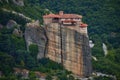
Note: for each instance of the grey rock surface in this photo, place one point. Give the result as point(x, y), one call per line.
point(35, 34)
point(11, 24)
point(19, 2)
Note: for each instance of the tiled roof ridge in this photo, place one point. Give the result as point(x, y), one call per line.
point(62, 16)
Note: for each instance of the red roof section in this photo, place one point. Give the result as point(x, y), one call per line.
point(69, 21)
point(62, 16)
point(70, 16)
point(51, 16)
point(82, 25)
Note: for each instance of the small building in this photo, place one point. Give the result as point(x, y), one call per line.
point(73, 21)
point(65, 19)
point(83, 28)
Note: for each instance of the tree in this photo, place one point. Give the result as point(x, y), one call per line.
point(49, 77)
point(71, 77)
point(6, 63)
point(33, 48)
point(32, 76)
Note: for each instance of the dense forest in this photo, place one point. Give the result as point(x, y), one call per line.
point(104, 27)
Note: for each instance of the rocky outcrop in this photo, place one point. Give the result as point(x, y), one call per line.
point(61, 44)
point(69, 47)
point(17, 14)
point(64, 41)
point(35, 34)
point(11, 24)
point(18, 32)
point(19, 2)
point(16, 2)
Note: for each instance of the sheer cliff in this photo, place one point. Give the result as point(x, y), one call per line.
point(64, 41)
point(35, 34)
point(69, 47)
point(68, 42)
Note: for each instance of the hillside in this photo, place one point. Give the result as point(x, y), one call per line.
point(104, 27)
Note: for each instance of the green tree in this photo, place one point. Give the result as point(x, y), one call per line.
point(49, 77)
point(71, 77)
point(6, 63)
point(33, 48)
point(32, 76)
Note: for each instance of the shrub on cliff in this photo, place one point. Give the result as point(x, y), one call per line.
point(33, 48)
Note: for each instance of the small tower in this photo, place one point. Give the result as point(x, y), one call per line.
point(83, 28)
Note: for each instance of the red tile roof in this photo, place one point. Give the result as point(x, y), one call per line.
point(62, 16)
point(82, 25)
point(51, 16)
point(69, 21)
point(70, 16)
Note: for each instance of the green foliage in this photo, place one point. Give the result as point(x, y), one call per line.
point(9, 42)
point(33, 48)
point(34, 12)
point(97, 50)
point(26, 58)
point(7, 62)
point(6, 16)
point(102, 16)
point(49, 77)
point(106, 66)
point(50, 64)
point(102, 78)
point(32, 76)
point(71, 77)
point(14, 48)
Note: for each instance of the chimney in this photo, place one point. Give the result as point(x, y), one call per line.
point(61, 12)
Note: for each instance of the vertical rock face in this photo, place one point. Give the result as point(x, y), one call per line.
point(35, 34)
point(54, 42)
point(69, 47)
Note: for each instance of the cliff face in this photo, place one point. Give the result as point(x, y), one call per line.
point(69, 47)
point(62, 44)
point(35, 34)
